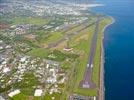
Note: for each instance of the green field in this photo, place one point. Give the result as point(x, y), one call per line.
point(39, 52)
point(29, 20)
point(45, 97)
point(53, 37)
point(52, 54)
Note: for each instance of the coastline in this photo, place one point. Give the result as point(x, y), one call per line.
point(113, 21)
point(102, 70)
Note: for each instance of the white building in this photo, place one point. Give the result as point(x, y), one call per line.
point(13, 93)
point(6, 69)
point(1, 98)
point(38, 92)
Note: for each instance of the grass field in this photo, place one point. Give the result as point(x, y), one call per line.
point(29, 20)
point(55, 55)
point(53, 37)
point(47, 96)
point(39, 52)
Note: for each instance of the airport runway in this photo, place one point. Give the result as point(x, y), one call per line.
point(87, 80)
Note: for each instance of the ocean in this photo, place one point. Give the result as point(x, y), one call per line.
point(119, 49)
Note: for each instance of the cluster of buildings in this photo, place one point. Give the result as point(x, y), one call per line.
point(23, 47)
point(16, 30)
point(4, 46)
point(51, 8)
point(14, 66)
point(45, 7)
point(19, 29)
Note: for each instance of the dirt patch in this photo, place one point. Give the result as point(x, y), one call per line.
point(3, 26)
point(30, 36)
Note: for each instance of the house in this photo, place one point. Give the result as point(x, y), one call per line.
point(1, 41)
point(1, 48)
point(13, 93)
point(38, 92)
point(1, 98)
point(6, 69)
point(47, 66)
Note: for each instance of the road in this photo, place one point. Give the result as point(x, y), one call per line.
point(102, 88)
point(87, 80)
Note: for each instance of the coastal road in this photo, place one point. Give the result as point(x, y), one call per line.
point(87, 80)
point(102, 88)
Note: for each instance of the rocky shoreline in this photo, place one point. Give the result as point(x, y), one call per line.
point(102, 71)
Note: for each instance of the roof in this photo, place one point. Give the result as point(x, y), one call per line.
point(15, 92)
point(1, 98)
point(5, 70)
point(38, 92)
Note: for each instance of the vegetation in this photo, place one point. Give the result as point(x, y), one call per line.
point(52, 55)
point(54, 37)
point(45, 97)
point(28, 20)
point(50, 37)
point(27, 84)
point(39, 52)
